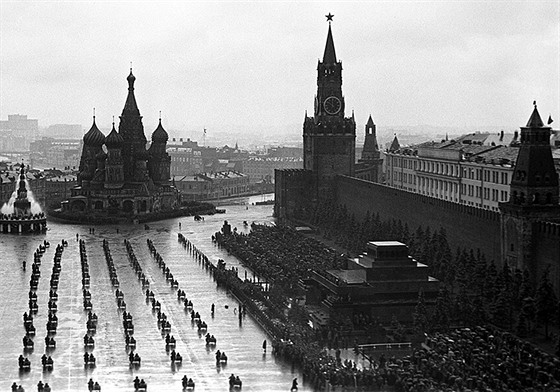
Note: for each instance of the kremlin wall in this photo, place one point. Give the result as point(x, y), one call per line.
point(465, 226)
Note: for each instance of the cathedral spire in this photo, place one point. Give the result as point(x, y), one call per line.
point(130, 106)
point(329, 57)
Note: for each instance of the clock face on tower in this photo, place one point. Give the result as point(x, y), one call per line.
point(332, 105)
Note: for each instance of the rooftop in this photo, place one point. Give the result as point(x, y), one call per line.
point(499, 155)
point(63, 178)
point(386, 243)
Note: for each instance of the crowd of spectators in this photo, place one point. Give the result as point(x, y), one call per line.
point(280, 254)
point(477, 359)
point(462, 360)
point(319, 368)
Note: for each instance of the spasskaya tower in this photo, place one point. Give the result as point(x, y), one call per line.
point(329, 137)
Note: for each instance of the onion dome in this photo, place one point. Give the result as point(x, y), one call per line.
point(160, 135)
point(131, 78)
point(114, 139)
point(94, 137)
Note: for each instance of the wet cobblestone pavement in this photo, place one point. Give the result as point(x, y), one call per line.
point(241, 340)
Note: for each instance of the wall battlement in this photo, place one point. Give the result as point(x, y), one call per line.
point(548, 228)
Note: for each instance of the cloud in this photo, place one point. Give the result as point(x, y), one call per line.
point(255, 63)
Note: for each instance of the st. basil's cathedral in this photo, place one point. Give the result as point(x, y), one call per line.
point(118, 175)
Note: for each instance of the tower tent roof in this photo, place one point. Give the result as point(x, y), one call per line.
point(370, 121)
point(130, 106)
point(160, 134)
point(395, 146)
point(329, 57)
point(535, 120)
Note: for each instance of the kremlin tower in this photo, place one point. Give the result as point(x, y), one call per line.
point(328, 136)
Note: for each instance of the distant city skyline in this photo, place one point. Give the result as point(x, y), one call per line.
point(229, 64)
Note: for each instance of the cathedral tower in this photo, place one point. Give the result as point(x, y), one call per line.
point(134, 153)
point(92, 145)
point(159, 162)
point(99, 176)
point(114, 173)
point(328, 136)
point(534, 195)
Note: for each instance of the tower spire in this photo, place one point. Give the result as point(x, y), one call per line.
point(371, 149)
point(395, 145)
point(535, 120)
point(329, 57)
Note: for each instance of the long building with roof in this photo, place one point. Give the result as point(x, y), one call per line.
point(474, 169)
point(118, 175)
point(204, 186)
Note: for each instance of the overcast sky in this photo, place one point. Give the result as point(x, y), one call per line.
point(448, 63)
